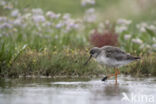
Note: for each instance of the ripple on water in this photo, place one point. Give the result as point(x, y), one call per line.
point(80, 92)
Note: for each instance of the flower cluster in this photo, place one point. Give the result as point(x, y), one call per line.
point(122, 25)
point(143, 26)
point(6, 5)
point(143, 39)
point(86, 2)
point(38, 22)
point(90, 15)
point(35, 26)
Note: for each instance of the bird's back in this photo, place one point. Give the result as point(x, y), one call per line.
point(117, 54)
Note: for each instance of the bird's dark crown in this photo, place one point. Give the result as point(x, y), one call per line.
point(94, 50)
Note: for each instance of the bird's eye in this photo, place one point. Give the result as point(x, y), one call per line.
point(92, 52)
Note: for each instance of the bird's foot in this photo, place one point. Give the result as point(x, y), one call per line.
point(105, 78)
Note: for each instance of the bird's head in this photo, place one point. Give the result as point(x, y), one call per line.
point(93, 53)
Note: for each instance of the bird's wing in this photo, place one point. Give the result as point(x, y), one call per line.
point(117, 54)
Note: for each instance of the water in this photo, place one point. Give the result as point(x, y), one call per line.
point(78, 91)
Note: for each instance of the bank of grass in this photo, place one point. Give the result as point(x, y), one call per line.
point(144, 67)
point(31, 48)
point(67, 63)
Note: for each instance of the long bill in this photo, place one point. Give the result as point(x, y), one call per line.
point(88, 60)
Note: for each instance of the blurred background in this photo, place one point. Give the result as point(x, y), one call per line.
point(36, 31)
point(45, 43)
point(138, 10)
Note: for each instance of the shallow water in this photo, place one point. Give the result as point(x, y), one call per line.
point(78, 91)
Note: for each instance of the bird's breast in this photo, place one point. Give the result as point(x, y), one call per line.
point(111, 62)
point(102, 60)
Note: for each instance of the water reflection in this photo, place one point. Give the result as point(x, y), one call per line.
point(69, 91)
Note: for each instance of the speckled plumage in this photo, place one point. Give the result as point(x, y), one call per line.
point(112, 56)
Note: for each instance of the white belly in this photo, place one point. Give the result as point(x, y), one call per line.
point(111, 62)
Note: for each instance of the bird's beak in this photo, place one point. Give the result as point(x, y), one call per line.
point(88, 60)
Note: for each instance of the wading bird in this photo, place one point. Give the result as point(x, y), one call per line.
point(111, 57)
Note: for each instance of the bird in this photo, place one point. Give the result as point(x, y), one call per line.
point(111, 56)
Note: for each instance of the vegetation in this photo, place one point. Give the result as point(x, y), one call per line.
point(51, 42)
point(145, 67)
point(46, 63)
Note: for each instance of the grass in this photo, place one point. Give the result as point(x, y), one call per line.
point(62, 6)
point(138, 11)
point(36, 44)
point(145, 67)
point(68, 62)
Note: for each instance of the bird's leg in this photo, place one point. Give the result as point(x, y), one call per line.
point(116, 75)
point(118, 71)
point(105, 78)
point(110, 75)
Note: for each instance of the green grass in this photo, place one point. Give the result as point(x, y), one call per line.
point(107, 9)
point(39, 49)
point(63, 6)
point(66, 63)
point(70, 63)
point(145, 67)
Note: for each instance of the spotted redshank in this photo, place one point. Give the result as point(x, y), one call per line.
point(111, 57)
